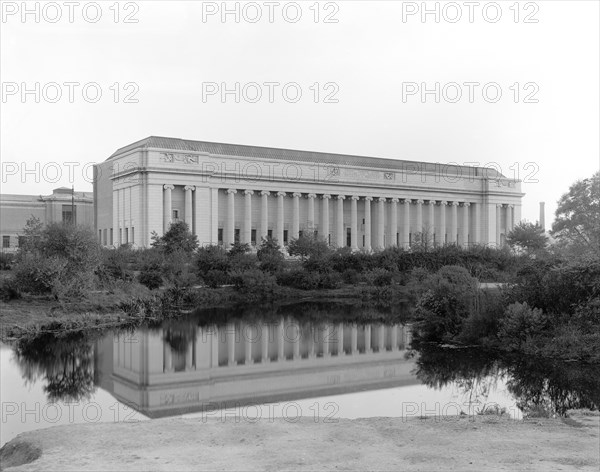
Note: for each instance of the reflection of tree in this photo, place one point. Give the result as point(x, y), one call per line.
point(179, 334)
point(65, 362)
point(539, 386)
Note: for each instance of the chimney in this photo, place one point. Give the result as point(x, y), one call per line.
point(542, 216)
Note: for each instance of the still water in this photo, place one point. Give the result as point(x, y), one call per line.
point(256, 365)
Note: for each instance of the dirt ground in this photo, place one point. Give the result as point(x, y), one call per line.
point(469, 443)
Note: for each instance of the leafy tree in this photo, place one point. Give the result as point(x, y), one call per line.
point(577, 222)
point(270, 256)
point(177, 238)
point(308, 245)
point(527, 237)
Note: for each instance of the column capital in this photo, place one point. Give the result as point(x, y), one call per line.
point(406, 201)
point(248, 192)
point(341, 197)
point(510, 206)
point(297, 195)
point(466, 204)
point(189, 187)
point(168, 186)
point(326, 196)
point(265, 193)
point(311, 195)
point(368, 199)
point(443, 203)
point(455, 203)
point(281, 194)
point(431, 202)
point(354, 197)
point(231, 190)
point(499, 205)
point(382, 199)
point(395, 200)
point(420, 202)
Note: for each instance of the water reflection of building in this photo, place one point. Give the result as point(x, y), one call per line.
point(171, 371)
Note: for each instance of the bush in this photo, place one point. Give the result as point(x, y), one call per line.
point(351, 276)
point(254, 283)
point(378, 277)
point(270, 257)
point(211, 258)
point(215, 278)
point(519, 323)
point(8, 290)
point(151, 277)
point(177, 239)
point(6, 260)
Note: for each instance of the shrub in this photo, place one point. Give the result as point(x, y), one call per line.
point(269, 256)
point(215, 278)
point(351, 276)
point(211, 258)
point(6, 260)
point(8, 290)
point(151, 277)
point(520, 322)
point(254, 283)
point(178, 238)
point(378, 277)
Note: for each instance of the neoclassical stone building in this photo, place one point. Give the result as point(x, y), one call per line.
point(230, 192)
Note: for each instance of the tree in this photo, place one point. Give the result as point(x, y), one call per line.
point(577, 222)
point(269, 255)
point(177, 238)
point(308, 246)
point(527, 237)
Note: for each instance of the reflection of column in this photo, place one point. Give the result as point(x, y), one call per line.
point(340, 221)
point(279, 221)
point(167, 355)
point(311, 343)
point(296, 215)
point(453, 223)
point(247, 236)
point(381, 338)
point(394, 337)
point(465, 225)
point(264, 338)
point(406, 224)
point(249, 330)
point(393, 223)
point(264, 216)
point(476, 223)
point(167, 208)
point(281, 341)
point(188, 206)
point(325, 217)
point(296, 341)
point(381, 224)
point(230, 233)
point(230, 344)
point(354, 339)
point(311, 211)
point(354, 222)
point(443, 222)
point(327, 335)
point(189, 353)
point(368, 223)
point(419, 228)
point(402, 336)
point(498, 223)
point(340, 339)
point(368, 339)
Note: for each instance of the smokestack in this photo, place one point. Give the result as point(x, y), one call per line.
point(542, 216)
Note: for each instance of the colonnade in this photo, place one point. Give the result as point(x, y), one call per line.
point(462, 227)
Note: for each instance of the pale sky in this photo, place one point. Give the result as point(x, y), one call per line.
point(368, 57)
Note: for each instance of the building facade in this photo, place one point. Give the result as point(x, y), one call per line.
point(227, 193)
point(64, 205)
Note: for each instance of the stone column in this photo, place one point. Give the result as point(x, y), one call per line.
point(325, 217)
point(167, 208)
point(354, 222)
point(230, 330)
point(509, 211)
point(381, 338)
point(188, 206)
point(167, 355)
point(394, 337)
point(264, 338)
point(340, 339)
point(264, 215)
point(296, 342)
point(476, 223)
point(354, 339)
point(368, 223)
point(381, 223)
point(420, 218)
point(498, 224)
point(442, 230)
point(465, 225)
point(406, 224)
point(431, 220)
point(296, 215)
point(393, 222)
point(453, 224)
point(248, 344)
point(281, 341)
point(311, 212)
point(368, 349)
point(340, 221)
point(311, 343)
point(189, 356)
point(230, 232)
point(327, 335)
point(248, 217)
point(279, 234)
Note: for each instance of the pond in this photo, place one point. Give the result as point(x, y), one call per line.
point(256, 364)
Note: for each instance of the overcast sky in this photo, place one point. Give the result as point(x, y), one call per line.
point(363, 56)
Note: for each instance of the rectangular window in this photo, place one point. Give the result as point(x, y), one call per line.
point(300, 233)
point(105, 240)
point(348, 237)
point(409, 239)
point(111, 237)
point(126, 235)
point(270, 233)
point(69, 214)
point(285, 236)
point(5, 241)
point(397, 239)
point(236, 235)
point(132, 235)
point(329, 239)
point(175, 216)
point(21, 241)
point(363, 240)
point(220, 236)
point(120, 236)
point(253, 237)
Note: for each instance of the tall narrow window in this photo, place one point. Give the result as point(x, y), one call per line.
point(348, 237)
point(270, 233)
point(220, 236)
point(285, 236)
point(5, 241)
point(132, 235)
point(253, 237)
point(111, 237)
point(236, 235)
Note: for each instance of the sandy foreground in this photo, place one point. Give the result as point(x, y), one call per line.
point(469, 443)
